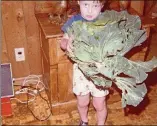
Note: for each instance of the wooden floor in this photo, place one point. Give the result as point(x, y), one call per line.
point(144, 114)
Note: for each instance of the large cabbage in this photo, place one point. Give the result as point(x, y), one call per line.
point(99, 49)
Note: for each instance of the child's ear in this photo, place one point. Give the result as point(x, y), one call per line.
point(78, 2)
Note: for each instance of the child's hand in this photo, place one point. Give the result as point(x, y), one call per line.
point(63, 43)
point(66, 43)
point(69, 44)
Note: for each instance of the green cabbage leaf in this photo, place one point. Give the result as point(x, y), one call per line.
point(99, 49)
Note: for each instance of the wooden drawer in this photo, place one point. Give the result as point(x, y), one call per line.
point(53, 53)
point(57, 55)
point(62, 57)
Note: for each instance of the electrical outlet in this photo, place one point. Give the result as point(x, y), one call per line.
point(19, 54)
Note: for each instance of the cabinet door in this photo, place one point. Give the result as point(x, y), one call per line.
point(65, 73)
point(50, 79)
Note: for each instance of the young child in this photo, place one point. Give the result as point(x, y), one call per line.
point(82, 87)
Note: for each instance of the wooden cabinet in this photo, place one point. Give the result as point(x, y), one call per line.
point(57, 68)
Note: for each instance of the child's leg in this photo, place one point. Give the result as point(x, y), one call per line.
point(82, 104)
point(101, 109)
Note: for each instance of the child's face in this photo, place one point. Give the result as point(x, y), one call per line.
point(90, 9)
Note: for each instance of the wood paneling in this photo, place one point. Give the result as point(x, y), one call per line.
point(20, 30)
point(4, 52)
point(44, 6)
point(149, 7)
point(138, 5)
point(32, 35)
point(14, 29)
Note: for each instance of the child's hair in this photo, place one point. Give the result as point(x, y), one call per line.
point(101, 1)
point(104, 3)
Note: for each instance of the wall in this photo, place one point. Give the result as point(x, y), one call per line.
point(20, 29)
point(138, 5)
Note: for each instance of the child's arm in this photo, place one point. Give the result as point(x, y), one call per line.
point(66, 40)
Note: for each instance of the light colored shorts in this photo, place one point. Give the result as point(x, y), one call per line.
point(83, 86)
